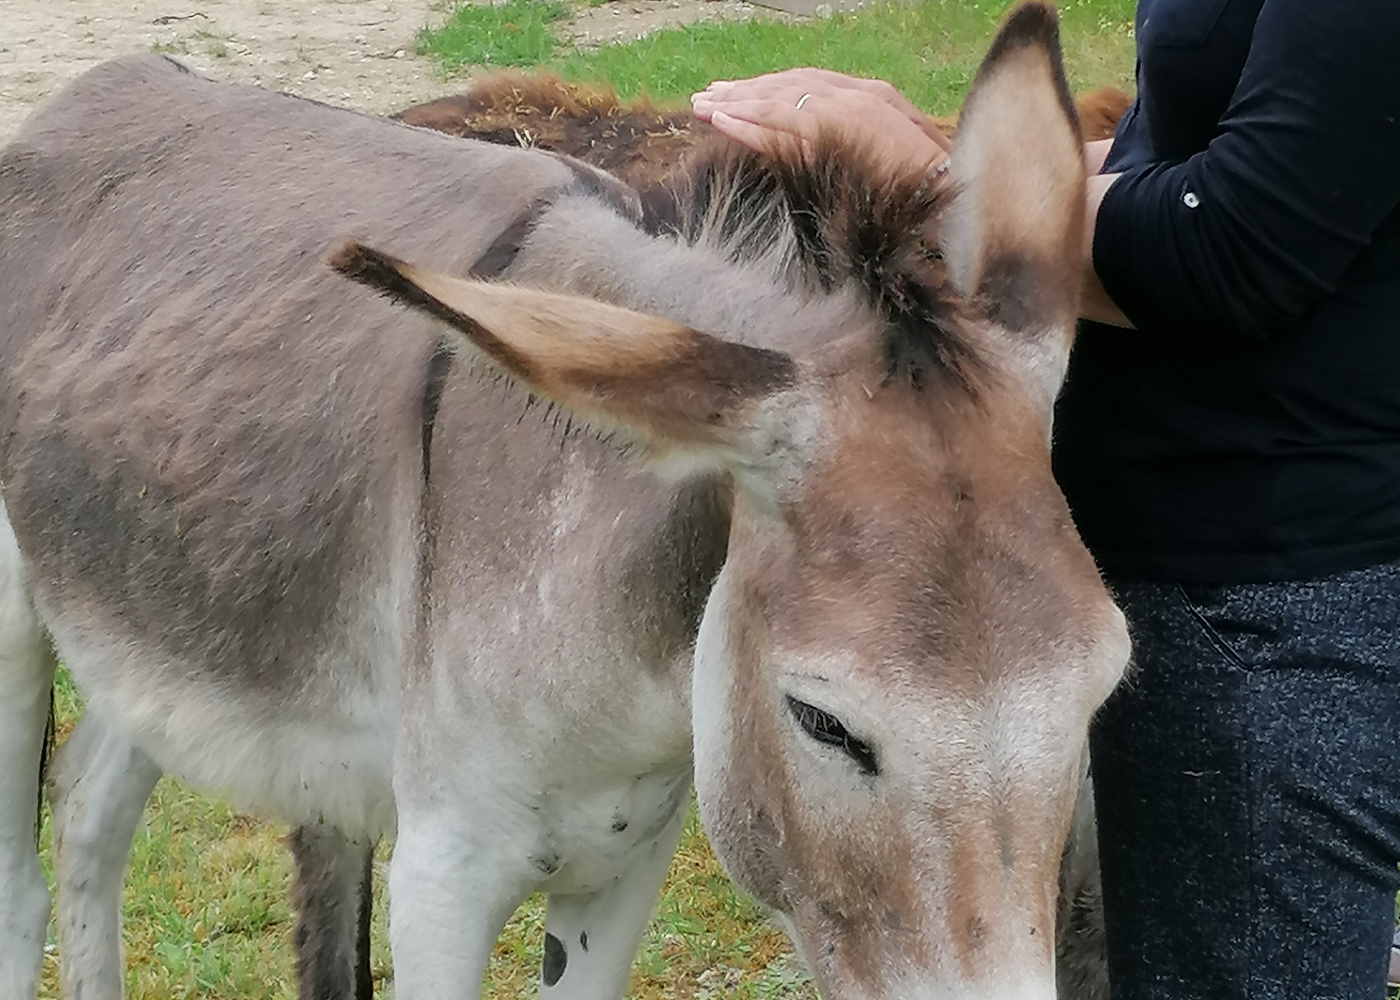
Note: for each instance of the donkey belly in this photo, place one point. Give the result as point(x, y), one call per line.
point(332, 760)
point(317, 746)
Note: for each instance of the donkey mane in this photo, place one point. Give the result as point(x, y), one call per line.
point(826, 214)
point(829, 216)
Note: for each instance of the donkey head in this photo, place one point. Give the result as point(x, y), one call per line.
point(897, 665)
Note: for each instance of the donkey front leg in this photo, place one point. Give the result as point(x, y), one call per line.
point(99, 788)
point(332, 895)
point(591, 939)
point(26, 689)
point(453, 884)
point(26, 683)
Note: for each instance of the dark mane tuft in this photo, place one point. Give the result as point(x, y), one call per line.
point(839, 218)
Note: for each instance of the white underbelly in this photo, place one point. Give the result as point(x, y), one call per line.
point(323, 753)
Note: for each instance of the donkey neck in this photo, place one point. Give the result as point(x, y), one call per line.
point(655, 548)
point(584, 246)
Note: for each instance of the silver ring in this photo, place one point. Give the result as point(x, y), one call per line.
point(802, 100)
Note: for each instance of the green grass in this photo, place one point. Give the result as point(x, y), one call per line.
point(928, 48)
point(515, 33)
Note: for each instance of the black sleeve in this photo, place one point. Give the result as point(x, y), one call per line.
point(1243, 237)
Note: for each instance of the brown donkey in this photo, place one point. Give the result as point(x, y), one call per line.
point(291, 551)
point(637, 141)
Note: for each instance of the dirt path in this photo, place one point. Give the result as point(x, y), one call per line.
point(352, 52)
point(356, 52)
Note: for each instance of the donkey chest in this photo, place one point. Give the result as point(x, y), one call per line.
point(587, 836)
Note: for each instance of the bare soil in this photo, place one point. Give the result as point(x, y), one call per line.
point(357, 53)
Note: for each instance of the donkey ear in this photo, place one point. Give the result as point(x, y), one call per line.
point(668, 387)
point(1011, 236)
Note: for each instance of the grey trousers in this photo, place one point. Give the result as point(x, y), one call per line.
point(1247, 782)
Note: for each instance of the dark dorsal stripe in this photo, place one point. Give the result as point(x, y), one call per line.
point(438, 367)
point(598, 183)
point(501, 254)
point(491, 264)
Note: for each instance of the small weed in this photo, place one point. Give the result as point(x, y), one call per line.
point(175, 47)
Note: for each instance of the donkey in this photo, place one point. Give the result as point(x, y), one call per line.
point(643, 145)
point(636, 141)
point(291, 550)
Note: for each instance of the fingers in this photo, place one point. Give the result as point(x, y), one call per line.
point(785, 91)
point(801, 105)
point(763, 138)
point(788, 88)
point(787, 107)
point(778, 116)
point(772, 112)
point(762, 123)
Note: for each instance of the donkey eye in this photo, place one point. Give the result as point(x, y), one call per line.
point(826, 728)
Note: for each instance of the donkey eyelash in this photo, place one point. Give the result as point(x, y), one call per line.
point(827, 729)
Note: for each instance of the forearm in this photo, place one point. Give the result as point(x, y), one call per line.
point(1095, 153)
point(1242, 237)
point(1094, 303)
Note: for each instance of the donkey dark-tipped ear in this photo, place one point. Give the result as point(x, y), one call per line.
point(678, 392)
point(1013, 230)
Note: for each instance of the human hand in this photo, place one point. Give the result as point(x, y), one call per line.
point(800, 104)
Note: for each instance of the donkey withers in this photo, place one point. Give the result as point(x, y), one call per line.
point(290, 551)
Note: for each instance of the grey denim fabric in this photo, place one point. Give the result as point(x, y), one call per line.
point(1247, 780)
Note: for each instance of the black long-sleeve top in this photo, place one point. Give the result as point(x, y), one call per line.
point(1249, 429)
